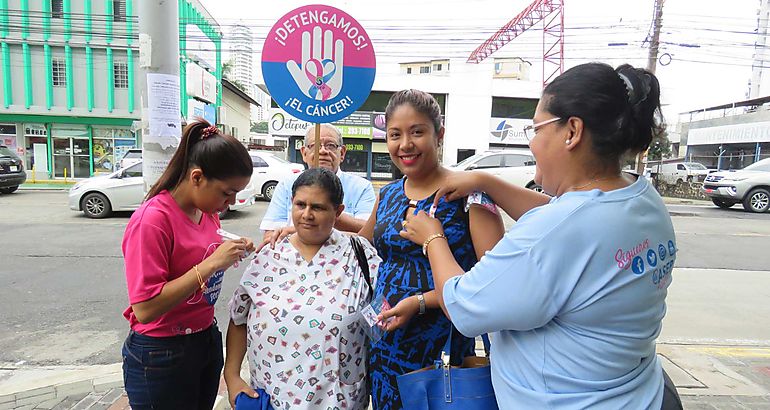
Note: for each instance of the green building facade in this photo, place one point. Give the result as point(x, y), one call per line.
point(69, 73)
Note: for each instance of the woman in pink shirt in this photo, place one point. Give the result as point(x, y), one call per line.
point(175, 261)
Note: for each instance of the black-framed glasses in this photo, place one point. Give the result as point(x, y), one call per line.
point(531, 130)
point(329, 146)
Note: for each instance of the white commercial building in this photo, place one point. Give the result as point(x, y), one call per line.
point(485, 106)
point(728, 136)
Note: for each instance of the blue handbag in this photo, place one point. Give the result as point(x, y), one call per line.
point(441, 386)
point(244, 402)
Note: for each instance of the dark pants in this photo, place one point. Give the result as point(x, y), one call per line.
point(671, 399)
point(179, 372)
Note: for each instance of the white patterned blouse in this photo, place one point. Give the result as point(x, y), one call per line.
point(305, 345)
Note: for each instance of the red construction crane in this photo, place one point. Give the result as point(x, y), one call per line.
point(551, 13)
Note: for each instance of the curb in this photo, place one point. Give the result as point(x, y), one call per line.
point(44, 384)
point(676, 213)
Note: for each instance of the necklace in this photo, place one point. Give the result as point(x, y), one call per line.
point(593, 181)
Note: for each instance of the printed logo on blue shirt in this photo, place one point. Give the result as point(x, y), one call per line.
point(213, 287)
point(671, 248)
point(652, 258)
point(638, 265)
point(662, 252)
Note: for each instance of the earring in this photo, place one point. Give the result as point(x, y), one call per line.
point(568, 141)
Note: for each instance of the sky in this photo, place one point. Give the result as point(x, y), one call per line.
point(707, 46)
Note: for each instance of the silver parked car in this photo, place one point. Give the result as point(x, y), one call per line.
point(750, 186)
point(123, 190)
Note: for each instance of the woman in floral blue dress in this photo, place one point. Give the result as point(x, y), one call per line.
point(418, 328)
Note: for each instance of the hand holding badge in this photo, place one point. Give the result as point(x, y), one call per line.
point(374, 327)
point(227, 236)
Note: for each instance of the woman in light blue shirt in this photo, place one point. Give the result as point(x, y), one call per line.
point(574, 294)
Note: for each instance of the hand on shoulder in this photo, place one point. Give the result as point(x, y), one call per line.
point(458, 184)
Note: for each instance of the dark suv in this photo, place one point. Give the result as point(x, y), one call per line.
point(11, 171)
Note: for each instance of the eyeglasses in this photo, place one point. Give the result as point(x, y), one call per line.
point(329, 146)
point(531, 130)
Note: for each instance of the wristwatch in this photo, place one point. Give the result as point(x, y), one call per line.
point(421, 299)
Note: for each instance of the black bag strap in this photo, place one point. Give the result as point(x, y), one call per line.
point(362, 261)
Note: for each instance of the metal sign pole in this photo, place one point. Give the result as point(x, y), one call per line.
point(312, 57)
point(317, 145)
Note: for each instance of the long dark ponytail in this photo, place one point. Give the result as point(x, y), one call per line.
point(219, 156)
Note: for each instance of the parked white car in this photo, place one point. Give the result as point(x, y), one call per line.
point(516, 166)
point(123, 190)
point(680, 172)
point(131, 157)
point(269, 170)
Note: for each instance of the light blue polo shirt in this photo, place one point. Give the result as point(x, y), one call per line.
point(573, 296)
point(358, 200)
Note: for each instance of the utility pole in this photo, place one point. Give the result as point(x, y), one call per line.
point(759, 49)
point(652, 56)
point(652, 62)
point(159, 85)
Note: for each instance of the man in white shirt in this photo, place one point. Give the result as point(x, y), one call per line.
point(359, 195)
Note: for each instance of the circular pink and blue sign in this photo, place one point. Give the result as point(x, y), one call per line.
point(318, 63)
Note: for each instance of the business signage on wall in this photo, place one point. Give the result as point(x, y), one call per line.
point(508, 131)
point(752, 132)
point(356, 118)
point(378, 126)
point(199, 109)
point(283, 124)
point(355, 131)
point(201, 83)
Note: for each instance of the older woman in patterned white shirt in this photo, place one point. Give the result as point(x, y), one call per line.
point(295, 311)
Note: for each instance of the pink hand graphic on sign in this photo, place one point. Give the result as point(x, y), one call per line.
point(319, 75)
point(318, 63)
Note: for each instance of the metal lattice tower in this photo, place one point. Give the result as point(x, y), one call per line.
point(551, 13)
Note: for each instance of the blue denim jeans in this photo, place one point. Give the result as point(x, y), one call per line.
point(179, 372)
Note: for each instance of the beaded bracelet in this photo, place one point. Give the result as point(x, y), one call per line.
point(427, 242)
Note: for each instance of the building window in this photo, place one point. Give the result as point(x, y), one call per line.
point(109, 147)
point(119, 10)
point(57, 9)
point(436, 67)
point(8, 136)
point(425, 70)
point(59, 73)
point(8, 129)
point(409, 70)
point(120, 74)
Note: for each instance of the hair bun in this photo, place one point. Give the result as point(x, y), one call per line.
point(638, 83)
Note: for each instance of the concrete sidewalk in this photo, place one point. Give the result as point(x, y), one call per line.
point(70, 387)
point(23, 387)
point(707, 377)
